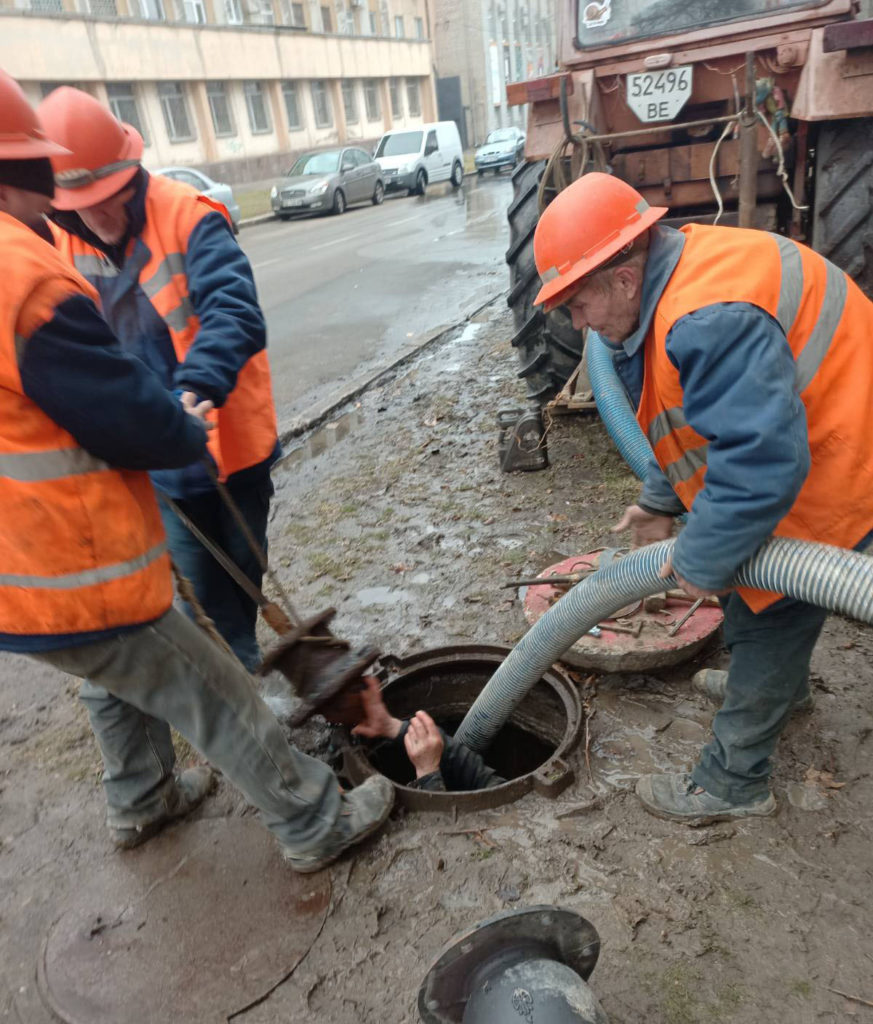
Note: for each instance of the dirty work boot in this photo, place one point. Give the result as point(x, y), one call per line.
point(675, 797)
point(364, 810)
point(191, 787)
point(712, 682)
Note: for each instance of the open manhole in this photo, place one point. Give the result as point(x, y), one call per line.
point(529, 752)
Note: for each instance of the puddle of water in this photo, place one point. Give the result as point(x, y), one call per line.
point(370, 596)
point(420, 578)
point(806, 798)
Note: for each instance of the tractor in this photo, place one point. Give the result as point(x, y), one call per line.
point(754, 113)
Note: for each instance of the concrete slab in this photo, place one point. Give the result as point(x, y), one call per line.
point(194, 927)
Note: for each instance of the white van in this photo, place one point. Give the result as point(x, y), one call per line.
point(413, 158)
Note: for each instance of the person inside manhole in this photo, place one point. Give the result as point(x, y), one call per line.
point(441, 763)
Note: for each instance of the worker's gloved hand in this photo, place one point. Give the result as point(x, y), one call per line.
point(198, 408)
point(377, 719)
point(424, 744)
point(645, 527)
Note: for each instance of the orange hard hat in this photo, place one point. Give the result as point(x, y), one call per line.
point(582, 228)
point(21, 134)
point(104, 153)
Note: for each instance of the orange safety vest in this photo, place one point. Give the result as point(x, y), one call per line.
point(82, 546)
point(828, 322)
point(245, 431)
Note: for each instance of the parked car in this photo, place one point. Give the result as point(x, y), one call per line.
point(327, 181)
point(414, 159)
point(504, 147)
point(203, 183)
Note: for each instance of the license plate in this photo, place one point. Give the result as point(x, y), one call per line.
point(659, 95)
point(292, 202)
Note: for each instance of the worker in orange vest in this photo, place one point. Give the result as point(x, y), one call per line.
point(747, 358)
point(85, 581)
point(178, 292)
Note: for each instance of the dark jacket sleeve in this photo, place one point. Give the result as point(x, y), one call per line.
point(658, 496)
point(75, 370)
point(737, 373)
point(232, 327)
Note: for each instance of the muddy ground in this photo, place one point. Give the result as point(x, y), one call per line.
point(407, 526)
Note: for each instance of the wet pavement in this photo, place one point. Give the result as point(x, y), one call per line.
point(342, 294)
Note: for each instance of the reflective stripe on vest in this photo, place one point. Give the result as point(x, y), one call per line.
point(34, 467)
point(808, 360)
point(88, 577)
point(92, 265)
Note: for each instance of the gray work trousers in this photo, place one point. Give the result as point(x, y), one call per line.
point(769, 673)
point(170, 674)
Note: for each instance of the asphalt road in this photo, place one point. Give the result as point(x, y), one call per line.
point(343, 295)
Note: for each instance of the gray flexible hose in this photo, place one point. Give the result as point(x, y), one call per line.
point(832, 578)
point(615, 408)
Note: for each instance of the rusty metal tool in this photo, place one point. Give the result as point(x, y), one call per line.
point(325, 673)
point(675, 629)
point(558, 580)
point(634, 630)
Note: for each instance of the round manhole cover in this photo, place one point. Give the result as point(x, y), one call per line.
point(192, 927)
point(634, 639)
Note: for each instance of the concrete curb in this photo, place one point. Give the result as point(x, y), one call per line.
point(316, 414)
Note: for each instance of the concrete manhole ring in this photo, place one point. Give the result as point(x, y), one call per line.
point(192, 927)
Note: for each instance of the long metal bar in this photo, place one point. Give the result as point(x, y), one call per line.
point(255, 547)
point(662, 128)
point(749, 150)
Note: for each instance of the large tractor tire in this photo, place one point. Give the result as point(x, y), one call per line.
point(842, 223)
point(548, 346)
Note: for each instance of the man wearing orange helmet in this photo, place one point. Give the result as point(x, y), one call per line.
point(85, 581)
point(178, 292)
point(747, 358)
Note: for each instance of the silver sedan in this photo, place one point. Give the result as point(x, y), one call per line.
point(203, 183)
point(327, 181)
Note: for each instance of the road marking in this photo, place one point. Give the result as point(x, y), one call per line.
point(266, 263)
point(336, 241)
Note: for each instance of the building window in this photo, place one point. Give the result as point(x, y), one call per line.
point(371, 99)
point(46, 6)
point(102, 8)
point(398, 25)
point(233, 14)
point(122, 103)
point(326, 20)
point(350, 102)
point(419, 28)
point(194, 12)
point(152, 10)
point(175, 110)
point(292, 105)
point(219, 107)
point(396, 102)
point(413, 99)
point(292, 14)
point(374, 29)
point(321, 105)
point(256, 103)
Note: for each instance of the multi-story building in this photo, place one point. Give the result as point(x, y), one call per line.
point(480, 46)
point(232, 86)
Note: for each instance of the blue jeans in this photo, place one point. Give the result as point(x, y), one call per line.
point(769, 671)
point(171, 673)
point(230, 608)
